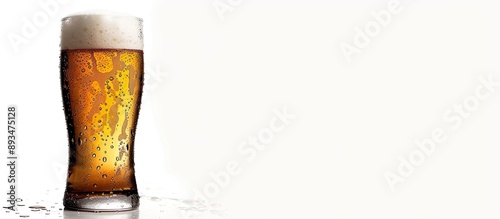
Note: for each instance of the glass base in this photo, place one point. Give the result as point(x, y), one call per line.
point(99, 201)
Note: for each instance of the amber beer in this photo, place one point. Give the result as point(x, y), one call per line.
point(101, 80)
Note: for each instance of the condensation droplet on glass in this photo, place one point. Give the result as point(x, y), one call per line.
point(80, 142)
point(104, 176)
point(95, 185)
point(85, 127)
point(98, 168)
point(93, 155)
point(104, 159)
point(98, 148)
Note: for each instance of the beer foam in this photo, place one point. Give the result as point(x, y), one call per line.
point(101, 30)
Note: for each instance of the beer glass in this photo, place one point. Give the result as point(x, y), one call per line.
point(101, 70)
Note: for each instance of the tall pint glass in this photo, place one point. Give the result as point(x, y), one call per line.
point(101, 67)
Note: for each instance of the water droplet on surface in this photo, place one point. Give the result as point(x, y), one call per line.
point(93, 139)
point(93, 154)
point(98, 148)
point(111, 146)
point(98, 168)
point(104, 159)
point(111, 78)
point(104, 176)
point(37, 207)
point(80, 142)
point(85, 127)
point(95, 185)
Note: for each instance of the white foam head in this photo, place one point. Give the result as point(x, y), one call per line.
point(101, 30)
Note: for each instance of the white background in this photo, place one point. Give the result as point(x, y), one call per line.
point(215, 82)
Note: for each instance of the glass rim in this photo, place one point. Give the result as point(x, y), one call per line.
point(99, 13)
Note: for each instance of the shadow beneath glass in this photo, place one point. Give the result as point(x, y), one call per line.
point(69, 214)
